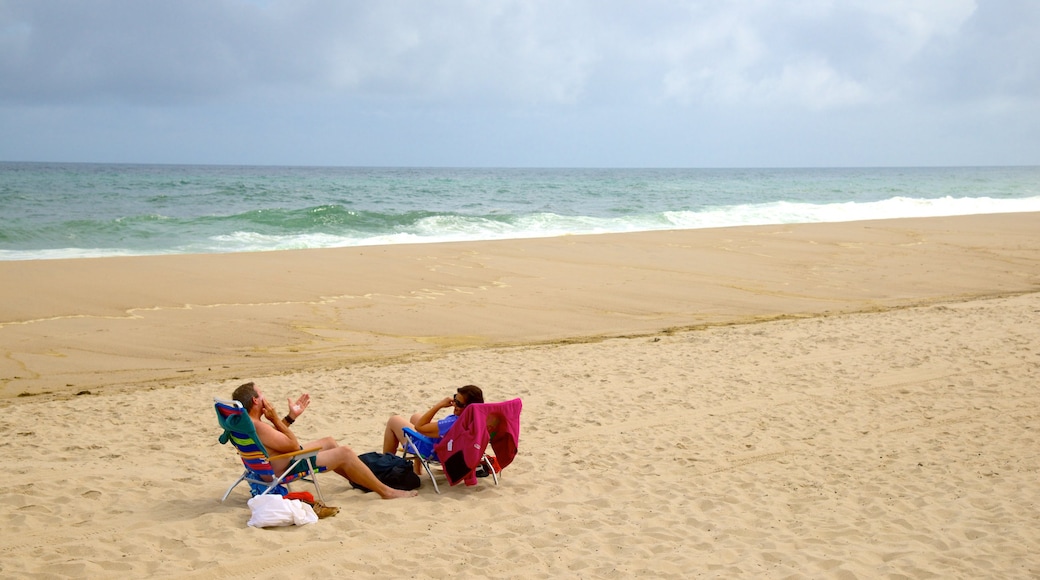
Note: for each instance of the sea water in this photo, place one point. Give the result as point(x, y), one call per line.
point(95, 210)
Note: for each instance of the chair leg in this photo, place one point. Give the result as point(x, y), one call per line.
point(429, 471)
point(311, 477)
point(410, 451)
point(234, 485)
point(317, 488)
point(490, 467)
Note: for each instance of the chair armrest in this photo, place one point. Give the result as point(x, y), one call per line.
point(312, 450)
point(419, 436)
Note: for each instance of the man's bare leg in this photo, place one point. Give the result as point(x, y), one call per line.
point(345, 462)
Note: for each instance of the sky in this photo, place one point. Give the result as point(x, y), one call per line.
point(525, 83)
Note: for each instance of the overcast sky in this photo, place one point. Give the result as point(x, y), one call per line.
point(553, 83)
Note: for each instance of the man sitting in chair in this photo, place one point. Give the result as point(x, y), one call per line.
point(278, 438)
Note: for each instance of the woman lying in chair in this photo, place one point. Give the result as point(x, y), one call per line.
point(425, 424)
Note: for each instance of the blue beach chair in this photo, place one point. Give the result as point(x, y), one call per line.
point(421, 448)
point(463, 446)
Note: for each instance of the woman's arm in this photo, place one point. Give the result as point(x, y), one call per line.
point(426, 425)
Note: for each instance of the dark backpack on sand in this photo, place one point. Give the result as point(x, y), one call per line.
point(396, 472)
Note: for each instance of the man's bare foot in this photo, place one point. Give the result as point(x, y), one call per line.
point(392, 493)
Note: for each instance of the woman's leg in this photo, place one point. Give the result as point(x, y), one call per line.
point(393, 434)
point(416, 465)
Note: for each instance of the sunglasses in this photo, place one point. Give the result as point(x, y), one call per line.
point(455, 401)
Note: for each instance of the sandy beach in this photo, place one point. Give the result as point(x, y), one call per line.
point(848, 400)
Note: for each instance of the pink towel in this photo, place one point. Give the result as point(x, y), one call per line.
point(480, 424)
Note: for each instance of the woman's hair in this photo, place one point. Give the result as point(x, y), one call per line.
point(472, 393)
point(244, 394)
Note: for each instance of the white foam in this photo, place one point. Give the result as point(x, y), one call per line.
point(457, 228)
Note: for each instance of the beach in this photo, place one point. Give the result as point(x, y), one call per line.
point(838, 400)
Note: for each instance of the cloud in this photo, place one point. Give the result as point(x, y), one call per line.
point(555, 80)
point(996, 56)
point(505, 51)
point(143, 52)
point(814, 53)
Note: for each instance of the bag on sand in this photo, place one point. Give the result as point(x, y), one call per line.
point(394, 471)
point(271, 510)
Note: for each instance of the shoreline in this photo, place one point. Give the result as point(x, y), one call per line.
point(103, 323)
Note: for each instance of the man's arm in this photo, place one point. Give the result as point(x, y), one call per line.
point(276, 437)
point(296, 409)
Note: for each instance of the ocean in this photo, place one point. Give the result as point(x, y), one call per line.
point(54, 210)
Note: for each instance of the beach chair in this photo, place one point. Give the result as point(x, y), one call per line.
point(239, 430)
point(463, 448)
point(419, 447)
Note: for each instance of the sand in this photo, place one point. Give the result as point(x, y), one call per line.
point(831, 400)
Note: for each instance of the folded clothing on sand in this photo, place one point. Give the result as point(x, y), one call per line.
point(273, 510)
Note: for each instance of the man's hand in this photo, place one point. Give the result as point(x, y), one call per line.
point(296, 409)
point(269, 411)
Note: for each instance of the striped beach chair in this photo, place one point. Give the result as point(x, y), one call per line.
point(239, 430)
